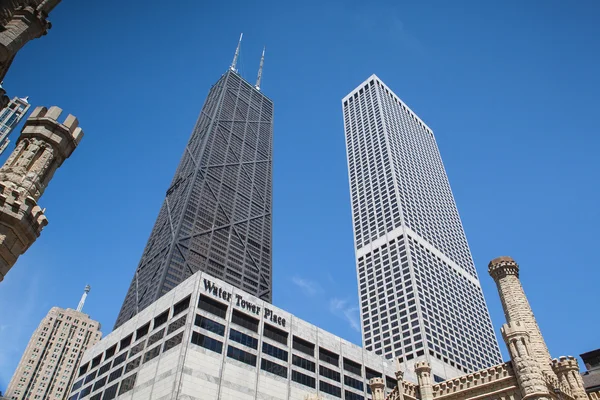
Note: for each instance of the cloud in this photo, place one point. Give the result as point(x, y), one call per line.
point(341, 309)
point(309, 287)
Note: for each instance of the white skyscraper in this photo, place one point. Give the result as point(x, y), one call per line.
point(420, 296)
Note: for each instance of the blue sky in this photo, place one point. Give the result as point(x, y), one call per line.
point(509, 88)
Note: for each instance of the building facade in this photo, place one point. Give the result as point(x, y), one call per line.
point(216, 216)
point(591, 377)
point(49, 365)
point(10, 117)
point(44, 144)
point(409, 241)
point(207, 339)
point(530, 374)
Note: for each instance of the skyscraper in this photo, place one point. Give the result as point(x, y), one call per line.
point(10, 117)
point(216, 216)
point(49, 363)
point(410, 242)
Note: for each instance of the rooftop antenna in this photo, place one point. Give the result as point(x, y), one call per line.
point(260, 68)
point(82, 301)
point(237, 53)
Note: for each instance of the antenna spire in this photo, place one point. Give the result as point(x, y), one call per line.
point(260, 69)
point(237, 53)
point(83, 297)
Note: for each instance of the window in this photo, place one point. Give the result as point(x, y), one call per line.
point(156, 337)
point(99, 383)
point(273, 368)
point(331, 389)
point(329, 373)
point(104, 368)
point(303, 379)
point(274, 351)
point(127, 384)
point(161, 319)
point(111, 392)
point(303, 363)
point(438, 379)
point(176, 325)
point(120, 359)
point(90, 377)
point(133, 364)
point(244, 320)
point(142, 331)
point(173, 341)
point(276, 334)
point(83, 369)
point(212, 306)
point(181, 306)
point(77, 385)
point(136, 349)
point(303, 346)
point(207, 343)
point(354, 383)
point(352, 396)
point(210, 325)
point(372, 374)
point(329, 357)
point(242, 338)
point(391, 383)
point(152, 353)
point(241, 355)
point(96, 361)
point(125, 342)
point(86, 390)
point(115, 374)
point(352, 366)
point(110, 352)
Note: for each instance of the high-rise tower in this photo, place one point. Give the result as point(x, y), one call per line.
point(10, 117)
point(420, 296)
point(49, 363)
point(216, 216)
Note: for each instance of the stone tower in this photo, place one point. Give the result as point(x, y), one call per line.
point(527, 370)
point(42, 147)
point(505, 272)
point(423, 371)
point(377, 388)
point(21, 21)
point(567, 372)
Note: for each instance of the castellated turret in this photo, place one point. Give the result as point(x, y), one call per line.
point(567, 372)
point(423, 371)
point(527, 370)
point(42, 147)
point(505, 272)
point(377, 388)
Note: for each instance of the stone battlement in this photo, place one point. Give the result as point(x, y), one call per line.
point(515, 328)
point(422, 366)
point(64, 136)
point(565, 363)
point(483, 377)
point(502, 266)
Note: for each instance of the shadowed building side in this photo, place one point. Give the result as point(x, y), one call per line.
point(216, 216)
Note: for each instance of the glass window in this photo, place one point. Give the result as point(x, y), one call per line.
point(352, 366)
point(161, 319)
point(214, 307)
point(242, 338)
point(276, 334)
point(331, 389)
point(329, 373)
point(354, 383)
point(274, 351)
point(303, 346)
point(303, 363)
point(181, 306)
point(142, 331)
point(152, 353)
point(273, 368)
point(100, 383)
point(173, 341)
point(127, 384)
point(241, 355)
point(210, 325)
point(244, 320)
point(133, 364)
point(303, 379)
point(329, 357)
point(173, 326)
point(207, 343)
